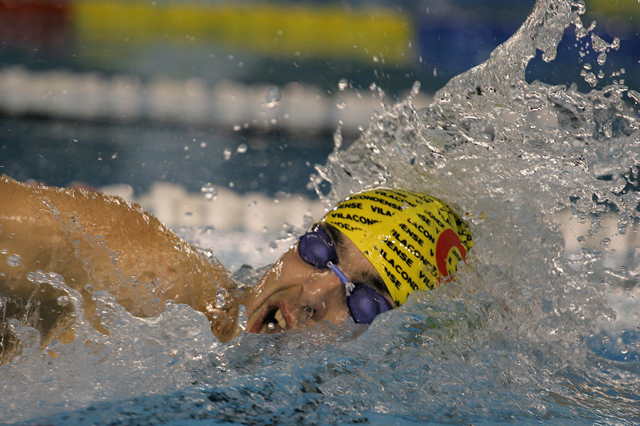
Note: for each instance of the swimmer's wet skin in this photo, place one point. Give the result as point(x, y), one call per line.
point(92, 238)
point(364, 257)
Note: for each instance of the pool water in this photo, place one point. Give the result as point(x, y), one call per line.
point(527, 334)
point(59, 152)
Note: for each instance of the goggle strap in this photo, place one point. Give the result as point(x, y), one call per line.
point(349, 287)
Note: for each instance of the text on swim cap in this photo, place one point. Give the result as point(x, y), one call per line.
point(422, 230)
point(398, 268)
point(435, 219)
point(378, 200)
point(350, 206)
point(406, 278)
point(356, 218)
point(380, 210)
point(408, 246)
point(346, 226)
point(395, 197)
point(401, 254)
point(412, 234)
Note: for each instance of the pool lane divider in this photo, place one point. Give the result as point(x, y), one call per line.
point(125, 99)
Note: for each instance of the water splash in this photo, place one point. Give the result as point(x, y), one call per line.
point(519, 336)
point(518, 152)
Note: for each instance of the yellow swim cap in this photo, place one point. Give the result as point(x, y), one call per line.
point(413, 240)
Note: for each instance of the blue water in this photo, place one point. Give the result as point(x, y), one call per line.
point(58, 152)
point(528, 333)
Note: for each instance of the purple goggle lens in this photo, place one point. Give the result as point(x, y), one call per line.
point(317, 249)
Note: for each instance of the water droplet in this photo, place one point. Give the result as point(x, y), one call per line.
point(63, 301)
point(475, 218)
point(114, 155)
point(273, 97)
point(606, 242)
point(242, 317)
point(415, 89)
point(599, 45)
point(221, 298)
point(209, 191)
point(337, 139)
point(589, 77)
point(341, 105)
point(343, 84)
point(242, 148)
point(404, 205)
point(14, 260)
point(581, 239)
point(615, 44)
point(227, 154)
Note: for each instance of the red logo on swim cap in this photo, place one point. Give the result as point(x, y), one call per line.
point(447, 240)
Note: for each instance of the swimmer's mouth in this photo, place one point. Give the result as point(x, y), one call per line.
point(273, 322)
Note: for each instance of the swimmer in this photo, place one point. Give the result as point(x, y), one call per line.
point(363, 258)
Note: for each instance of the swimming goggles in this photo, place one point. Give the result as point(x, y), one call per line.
point(317, 249)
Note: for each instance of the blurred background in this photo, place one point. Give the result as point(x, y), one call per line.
point(192, 106)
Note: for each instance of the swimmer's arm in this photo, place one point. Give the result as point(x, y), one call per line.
point(92, 238)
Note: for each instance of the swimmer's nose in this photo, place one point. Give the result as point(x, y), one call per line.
point(322, 298)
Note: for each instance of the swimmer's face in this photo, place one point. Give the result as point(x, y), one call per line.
point(294, 294)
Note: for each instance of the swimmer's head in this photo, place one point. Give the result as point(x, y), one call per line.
point(366, 255)
point(414, 241)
